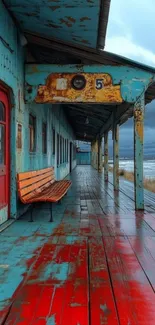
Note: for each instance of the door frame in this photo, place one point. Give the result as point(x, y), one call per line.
point(6, 90)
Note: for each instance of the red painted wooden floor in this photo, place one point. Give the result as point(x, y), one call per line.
point(93, 266)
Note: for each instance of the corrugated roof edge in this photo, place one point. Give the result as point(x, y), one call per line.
point(103, 22)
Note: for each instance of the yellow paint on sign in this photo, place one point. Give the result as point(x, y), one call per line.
point(58, 88)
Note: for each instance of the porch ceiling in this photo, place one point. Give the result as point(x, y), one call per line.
point(87, 120)
point(81, 23)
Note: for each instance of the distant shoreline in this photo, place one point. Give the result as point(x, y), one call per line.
point(132, 159)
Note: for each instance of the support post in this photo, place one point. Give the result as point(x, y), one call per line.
point(94, 154)
point(138, 153)
point(106, 157)
point(100, 162)
point(116, 156)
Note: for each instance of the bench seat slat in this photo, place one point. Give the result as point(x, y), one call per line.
point(36, 186)
point(41, 186)
point(33, 173)
point(52, 193)
point(29, 181)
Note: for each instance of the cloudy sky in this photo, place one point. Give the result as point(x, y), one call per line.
point(131, 33)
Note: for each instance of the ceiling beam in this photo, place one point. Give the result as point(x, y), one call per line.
point(88, 54)
point(121, 111)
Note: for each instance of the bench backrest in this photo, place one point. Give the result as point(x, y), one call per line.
point(32, 182)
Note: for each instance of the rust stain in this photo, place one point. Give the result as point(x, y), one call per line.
point(53, 8)
point(52, 25)
point(84, 41)
point(34, 69)
point(73, 20)
point(139, 116)
point(52, 92)
point(67, 23)
point(84, 18)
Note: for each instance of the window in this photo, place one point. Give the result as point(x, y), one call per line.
point(58, 153)
point(44, 137)
point(32, 133)
point(19, 136)
point(61, 149)
point(74, 151)
point(53, 141)
point(67, 150)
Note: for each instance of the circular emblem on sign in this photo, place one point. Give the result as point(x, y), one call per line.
point(78, 82)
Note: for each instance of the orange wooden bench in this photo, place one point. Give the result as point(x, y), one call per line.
point(41, 186)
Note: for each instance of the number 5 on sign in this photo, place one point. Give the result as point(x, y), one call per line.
point(99, 84)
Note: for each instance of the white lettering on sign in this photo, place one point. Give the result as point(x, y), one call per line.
point(99, 84)
point(61, 84)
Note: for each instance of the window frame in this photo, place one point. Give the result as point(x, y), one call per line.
point(53, 141)
point(32, 133)
point(44, 138)
point(61, 150)
point(58, 149)
point(67, 150)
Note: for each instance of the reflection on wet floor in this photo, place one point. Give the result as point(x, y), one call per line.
point(93, 265)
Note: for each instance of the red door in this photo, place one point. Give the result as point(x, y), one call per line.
point(4, 156)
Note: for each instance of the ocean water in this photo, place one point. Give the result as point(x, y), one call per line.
point(148, 165)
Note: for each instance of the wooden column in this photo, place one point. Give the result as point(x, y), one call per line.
point(100, 162)
point(138, 153)
point(94, 154)
point(116, 156)
point(106, 157)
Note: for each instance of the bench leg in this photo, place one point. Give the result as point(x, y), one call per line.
point(51, 218)
point(31, 215)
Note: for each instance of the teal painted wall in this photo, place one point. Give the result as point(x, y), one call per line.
point(83, 158)
point(12, 75)
point(55, 118)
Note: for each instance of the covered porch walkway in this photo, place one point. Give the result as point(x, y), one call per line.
point(93, 265)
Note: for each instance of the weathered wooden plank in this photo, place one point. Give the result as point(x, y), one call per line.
point(133, 292)
point(76, 302)
point(102, 301)
point(143, 251)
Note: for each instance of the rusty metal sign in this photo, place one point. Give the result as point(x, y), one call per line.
point(84, 87)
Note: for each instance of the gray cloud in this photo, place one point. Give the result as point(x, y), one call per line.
point(133, 20)
point(127, 131)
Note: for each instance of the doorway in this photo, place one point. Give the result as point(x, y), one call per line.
point(71, 155)
point(4, 156)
